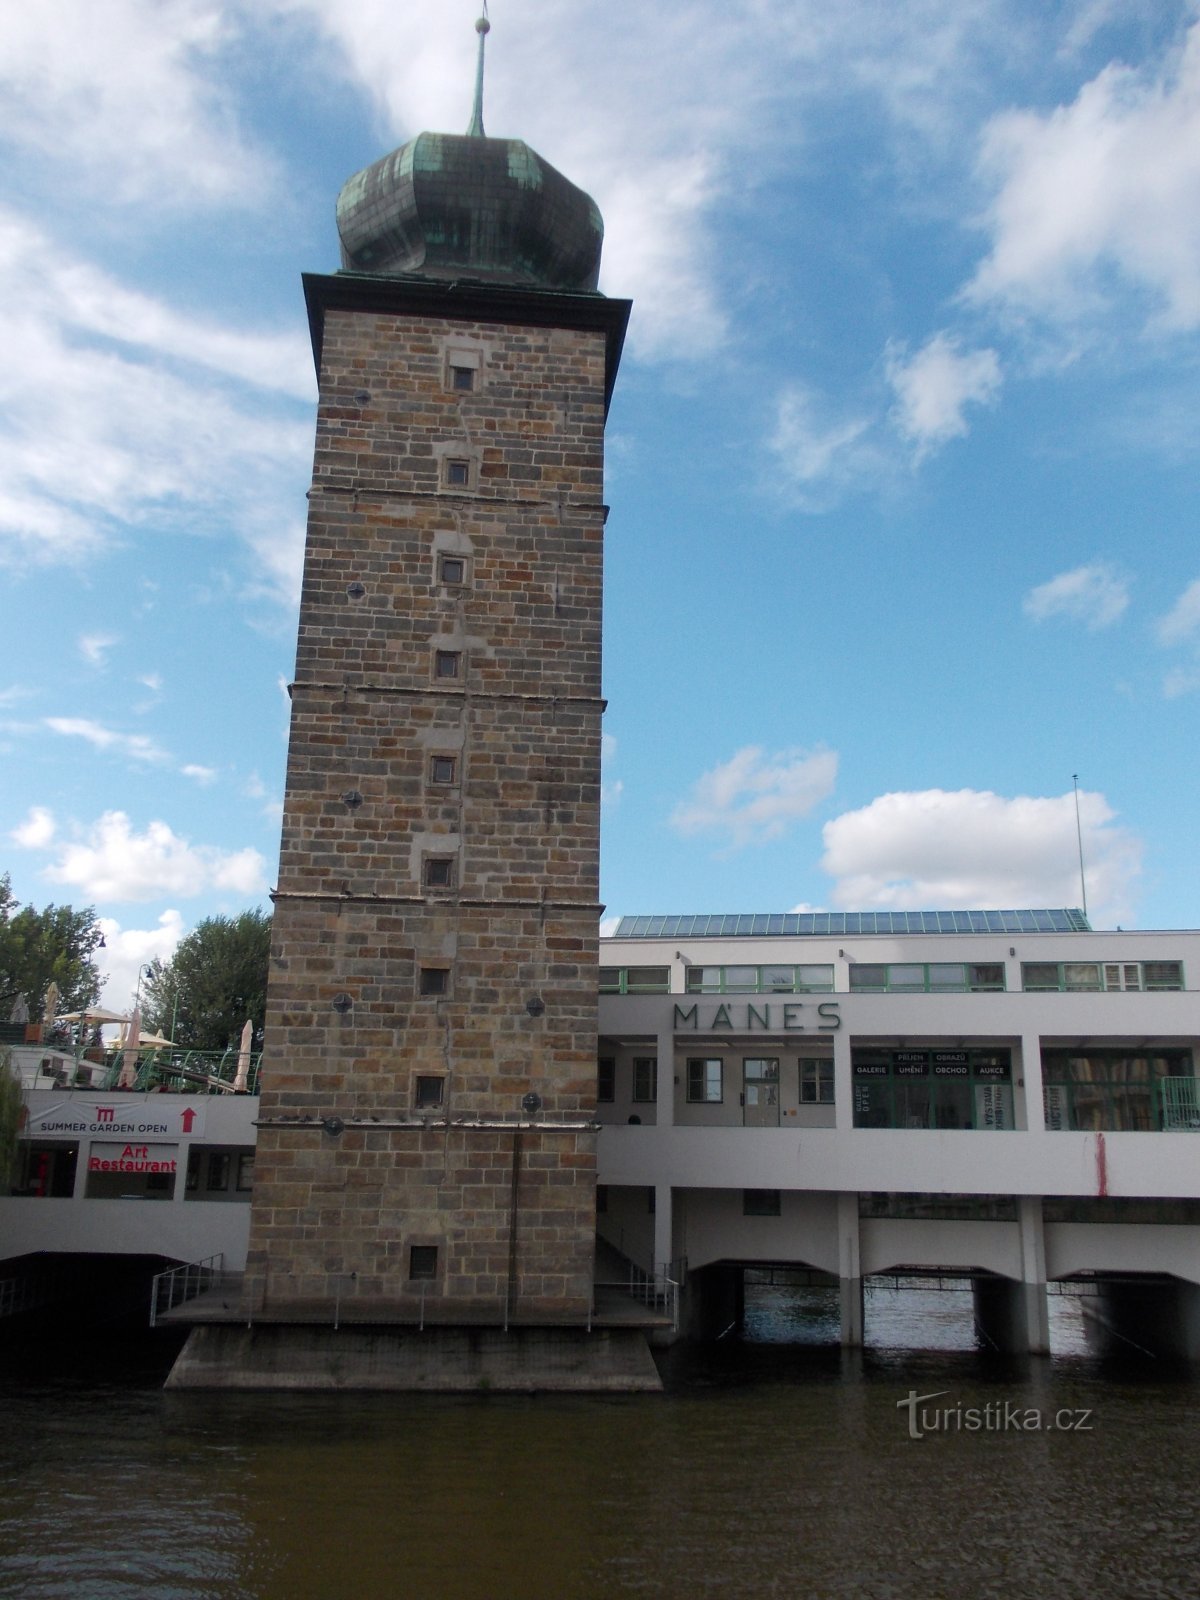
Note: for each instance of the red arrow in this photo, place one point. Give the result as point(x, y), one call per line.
point(187, 1117)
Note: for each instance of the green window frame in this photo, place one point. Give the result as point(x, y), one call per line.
point(635, 980)
point(1095, 977)
point(927, 977)
point(772, 977)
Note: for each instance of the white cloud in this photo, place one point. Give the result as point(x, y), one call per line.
point(109, 434)
point(124, 93)
point(935, 385)
point(1096, 595)
point(754, 797)
point(110, 861)
point(127, 950)
point(943, 850)
point(819, 457)
point(94, 647)
point(1182, 622)
point(1180, 681)
point(1108, 186)
point(38, 829)
point(134, 746)
point(203, 775)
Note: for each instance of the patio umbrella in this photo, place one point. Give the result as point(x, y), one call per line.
point(94, 1014)
point(129, 1057)
point(241, 1081)
point(51, 1004)
point(155, 1041)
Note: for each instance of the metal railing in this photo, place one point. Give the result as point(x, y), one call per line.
point(1179, 1104)
point(178, 1284)
point(173, 1071)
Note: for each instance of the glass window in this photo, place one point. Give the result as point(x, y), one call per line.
point(610, 980)
point(452, 569)
point(704, 1080)
point(439, 872)
point(606, 1079)
point(462, 377)
point(909, 976)
point(442, 769)
point(815, 980)
point(435, 980)
point(743, 980)
point(645, 1078)
point(218, 1171)
point(1163, 974)
point(986, 975)
point(458, 474)
point(778, 980)
point(447, 664)
point(429, 1092)
point(647, 980)
point(865, 976)
point(816, 1082)
point(1081, 975)
point(422, 1262)
point(1039, 975)
point(245, 1171)
point(947, 975)
point(704, 980)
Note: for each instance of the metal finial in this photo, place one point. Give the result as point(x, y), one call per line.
point(482, 27)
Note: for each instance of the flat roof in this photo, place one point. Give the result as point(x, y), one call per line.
point(793, 924)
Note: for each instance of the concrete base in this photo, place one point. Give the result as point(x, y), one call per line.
point(445, 1360)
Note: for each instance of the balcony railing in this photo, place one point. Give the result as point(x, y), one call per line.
point(163, 1070)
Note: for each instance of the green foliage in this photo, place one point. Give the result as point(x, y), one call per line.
point(11, 1102)
point(215, 980)
point(40, 947)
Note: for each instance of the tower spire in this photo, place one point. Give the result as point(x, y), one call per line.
point(482, 27)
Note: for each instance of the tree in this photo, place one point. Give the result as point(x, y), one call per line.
point(40, 947)
point(12, 1106)
point(216, 979)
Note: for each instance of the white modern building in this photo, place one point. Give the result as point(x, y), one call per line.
point(999, 1096)
point(1005, 1095)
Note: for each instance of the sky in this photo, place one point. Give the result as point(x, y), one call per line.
point(902, 459)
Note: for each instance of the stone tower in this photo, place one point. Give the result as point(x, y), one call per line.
point(426, 1145)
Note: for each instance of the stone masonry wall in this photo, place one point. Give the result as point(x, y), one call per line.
point(435, 934)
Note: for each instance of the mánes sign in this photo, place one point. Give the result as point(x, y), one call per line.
point(789, 1016)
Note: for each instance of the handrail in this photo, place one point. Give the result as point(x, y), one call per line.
point(178, 1284)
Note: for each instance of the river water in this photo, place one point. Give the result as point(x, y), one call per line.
point(770, 1468)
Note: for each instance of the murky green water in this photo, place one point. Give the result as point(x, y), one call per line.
point(770, 1469)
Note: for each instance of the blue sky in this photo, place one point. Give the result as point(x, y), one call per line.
point(902, 461)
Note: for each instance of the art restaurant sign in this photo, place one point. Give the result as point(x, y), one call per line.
point(119, 1116)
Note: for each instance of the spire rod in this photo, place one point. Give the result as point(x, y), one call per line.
point(482, 27)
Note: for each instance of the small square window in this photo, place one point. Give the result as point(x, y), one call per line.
point(422, 1262)
point(447, 664)
point(439, 872)
point(430, 1092)
point(452, 569)
point(458, 473)
point(443, 769)
point(462, 377)
point(435, 980)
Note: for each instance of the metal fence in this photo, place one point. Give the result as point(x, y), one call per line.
point(178, 1284)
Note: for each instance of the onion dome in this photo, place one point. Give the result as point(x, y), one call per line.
point(457, 206)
